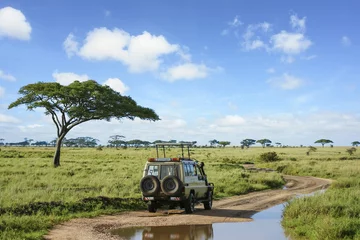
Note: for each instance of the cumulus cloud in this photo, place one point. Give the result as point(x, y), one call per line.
point(251, 37)
point(187, 71)
point(140, 53)
point(70, 45)
point(13, 24)
point(117, 85)
point(66, 78)
point(6, 77)
point(290, 43)
point(298, 23)
point(345, 41)
point(286, 82)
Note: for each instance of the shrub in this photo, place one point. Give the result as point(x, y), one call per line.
point(351, 151)
point(269, 157)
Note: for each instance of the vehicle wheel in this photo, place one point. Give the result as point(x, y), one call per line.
point(150, 185)
point(152, 207)
point(208, 204)
point(190, 204)
point(171, 185)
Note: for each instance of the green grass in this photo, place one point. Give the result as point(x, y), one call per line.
point(35, 196)
point(334, 214)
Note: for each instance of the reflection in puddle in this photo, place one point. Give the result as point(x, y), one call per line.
point(198, 232)
point(266, 225)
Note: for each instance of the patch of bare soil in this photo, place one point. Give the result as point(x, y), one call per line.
point(232, 209)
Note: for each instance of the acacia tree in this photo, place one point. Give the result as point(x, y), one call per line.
point(355, 143)
point(213, 142)
point(116, 140)
point(247, 142)
point(78, 103)
point(323, 141)
point(263, 142)
point(224, 143)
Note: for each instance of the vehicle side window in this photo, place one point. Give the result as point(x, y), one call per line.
point(186, 170)
point(153, 170)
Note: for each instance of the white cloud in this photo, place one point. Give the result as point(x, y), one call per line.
point(8, 119)
point(2, 91)
point(140, 53)
point(187, 71)
point(230, 120)
point(346, 41)
point(66, 78)
point(235, 22)
point(270, 70)
point(286, 82)
point(7, 77)
point(13, 24)
point(251, 37)
point(70, 45)
point(298, 23)
point(290, 43)
point(117, 85)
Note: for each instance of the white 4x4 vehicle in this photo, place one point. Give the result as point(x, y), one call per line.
point(175, 181)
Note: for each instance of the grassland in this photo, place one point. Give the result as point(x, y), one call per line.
point(35, 196)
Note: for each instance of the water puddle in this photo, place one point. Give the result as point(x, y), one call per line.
point(266, 225)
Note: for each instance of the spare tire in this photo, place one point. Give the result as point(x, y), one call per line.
point(171, 185)
point(149, 185)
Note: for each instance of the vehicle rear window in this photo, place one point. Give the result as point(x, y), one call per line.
point(168, 170)
point(153, 170)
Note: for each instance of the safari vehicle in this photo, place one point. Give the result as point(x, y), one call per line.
point(175, 181)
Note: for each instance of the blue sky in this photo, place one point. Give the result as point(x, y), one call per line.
point(283, 70)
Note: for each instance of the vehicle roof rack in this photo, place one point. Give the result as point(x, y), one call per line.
point(182, 145)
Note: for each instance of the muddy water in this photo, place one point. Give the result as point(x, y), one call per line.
point(266, 225)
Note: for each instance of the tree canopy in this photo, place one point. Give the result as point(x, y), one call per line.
point(323, 141)
point(77, 103)
point(263, 142)
point(224, 143)
point(355, 143)
point(247, 142)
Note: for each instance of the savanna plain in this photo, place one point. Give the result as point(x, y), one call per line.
point(35, 196)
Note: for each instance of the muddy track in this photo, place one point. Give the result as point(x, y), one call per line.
point(233, 209)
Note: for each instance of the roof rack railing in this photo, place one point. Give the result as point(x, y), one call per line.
point(182, 145)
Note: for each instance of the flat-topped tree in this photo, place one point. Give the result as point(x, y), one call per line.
point(263, 142)
point(355, 143)
point(77, 103)
point(323, 141)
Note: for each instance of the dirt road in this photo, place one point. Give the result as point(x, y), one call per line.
point(233, 209)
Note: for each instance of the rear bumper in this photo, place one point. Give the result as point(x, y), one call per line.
point(164, 198)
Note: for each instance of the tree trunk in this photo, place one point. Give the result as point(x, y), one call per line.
point(57, 152)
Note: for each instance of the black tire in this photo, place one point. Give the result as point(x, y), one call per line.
point(208, 204)
point(152, 207)
point(149, 185)
point(171, 185)
point(190, 204)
